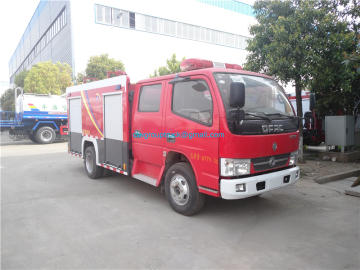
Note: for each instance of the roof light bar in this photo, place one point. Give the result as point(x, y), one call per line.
point(196, 63)
point(233, 66)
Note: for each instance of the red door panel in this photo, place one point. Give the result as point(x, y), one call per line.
point(147, 124)
point(191, 113)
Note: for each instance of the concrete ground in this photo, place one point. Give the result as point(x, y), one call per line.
point(344, 186)
point(54, 216)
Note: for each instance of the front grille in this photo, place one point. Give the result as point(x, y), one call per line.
point(262, 163)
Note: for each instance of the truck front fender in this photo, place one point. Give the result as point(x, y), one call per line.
point(44, 123)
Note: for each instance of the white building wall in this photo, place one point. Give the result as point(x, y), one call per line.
point(142, 52)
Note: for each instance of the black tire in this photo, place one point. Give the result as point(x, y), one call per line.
point(92, 170)
point(315, 143)
point(106, 172)
point(181, 190)
point(32, 138)
point(45, 135)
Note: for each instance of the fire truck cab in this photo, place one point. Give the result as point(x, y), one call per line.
point(213, 129)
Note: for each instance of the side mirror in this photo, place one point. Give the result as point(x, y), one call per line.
point(237, 95)
point(312, 102)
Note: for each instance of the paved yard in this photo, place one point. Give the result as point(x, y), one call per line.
point(54, 216)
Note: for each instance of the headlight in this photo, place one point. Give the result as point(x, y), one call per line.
point(293, 158)
point(233, 167)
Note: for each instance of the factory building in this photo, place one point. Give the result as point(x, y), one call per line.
point(140, 33)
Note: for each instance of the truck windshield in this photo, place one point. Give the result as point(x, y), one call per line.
point(263, 96)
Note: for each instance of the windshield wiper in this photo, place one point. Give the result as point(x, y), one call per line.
point(280, 114)
point(255, 115)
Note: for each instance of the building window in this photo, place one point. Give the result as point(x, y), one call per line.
point(191, 32)
point(115, 14)
point(202, 38)
point(65, 18)
point(139, 19)
point(147, 23)
point(149, 99)
point(166, 27)
point(125, 19)
point(99, 14)
point(179, 29)
point(107, 15)
point(185, 31)
point(132, 20)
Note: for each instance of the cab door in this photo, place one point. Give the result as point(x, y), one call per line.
point(146, 130)
point(192, 119)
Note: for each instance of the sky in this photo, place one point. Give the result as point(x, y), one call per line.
point(15, 17)
point(13, 27)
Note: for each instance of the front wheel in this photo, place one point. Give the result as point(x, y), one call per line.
point(181, 190)
point(92, 170)
point(45, 135)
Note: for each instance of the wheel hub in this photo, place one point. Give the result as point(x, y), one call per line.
point(46, 135)
point(179, 189)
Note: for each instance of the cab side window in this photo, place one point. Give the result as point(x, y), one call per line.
point(192, 100)
point(149, 98)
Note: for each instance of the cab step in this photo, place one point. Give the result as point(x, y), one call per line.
point(146, 179)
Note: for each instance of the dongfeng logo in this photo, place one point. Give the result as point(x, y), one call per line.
point(274, 146)
point(272, 162)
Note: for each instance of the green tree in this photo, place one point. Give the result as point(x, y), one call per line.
point(48, 77)
point(290, 38)
point(19, 79)
point(336, 85)
point(352, 60)
point(336, 80)
point(79, 78)
point(7, 100)
point(172, 67)
point(99, 65)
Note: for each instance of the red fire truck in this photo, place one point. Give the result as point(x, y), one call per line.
point(314, 127)
point(213, 129)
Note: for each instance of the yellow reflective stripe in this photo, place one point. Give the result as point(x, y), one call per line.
point(87, 108)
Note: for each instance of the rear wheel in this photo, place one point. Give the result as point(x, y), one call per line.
point(45, 135)
point(92, 170)
point(181, 190)
point(32, 138)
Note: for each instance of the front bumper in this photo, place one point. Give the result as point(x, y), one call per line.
point(272, 181)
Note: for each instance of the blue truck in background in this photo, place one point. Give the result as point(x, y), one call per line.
point(40, 117)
